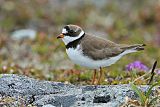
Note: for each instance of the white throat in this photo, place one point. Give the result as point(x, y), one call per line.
point(68, 39)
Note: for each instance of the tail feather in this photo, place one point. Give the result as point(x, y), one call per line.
point(137, 47)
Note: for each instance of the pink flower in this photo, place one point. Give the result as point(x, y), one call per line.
point(4, 68)
point(157, 71)
point(136, 65)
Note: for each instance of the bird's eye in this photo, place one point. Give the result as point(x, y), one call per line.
point(71, 31)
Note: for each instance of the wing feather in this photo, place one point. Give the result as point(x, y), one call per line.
point(98, 48)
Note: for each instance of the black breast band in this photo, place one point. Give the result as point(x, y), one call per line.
point(74, 43)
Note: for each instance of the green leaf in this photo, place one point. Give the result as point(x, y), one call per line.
point(150, 89)
point(139, 93)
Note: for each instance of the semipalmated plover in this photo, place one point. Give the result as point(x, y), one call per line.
point(92, 51)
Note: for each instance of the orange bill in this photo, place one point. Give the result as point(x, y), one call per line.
point(60, 36)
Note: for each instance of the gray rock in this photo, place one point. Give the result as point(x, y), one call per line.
point(23, 34)
point(29, 91)
point(48, 105)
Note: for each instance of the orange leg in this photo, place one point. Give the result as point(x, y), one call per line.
point(94, 77)
point(101, 73)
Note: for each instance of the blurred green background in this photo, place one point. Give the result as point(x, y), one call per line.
point(42, 56)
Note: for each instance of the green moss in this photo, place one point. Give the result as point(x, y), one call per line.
point(7, 23)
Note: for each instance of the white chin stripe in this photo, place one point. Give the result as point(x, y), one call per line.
point(64, 31)
point(68, 39)
point(82, 33)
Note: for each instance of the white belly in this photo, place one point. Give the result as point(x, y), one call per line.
point(76, 56)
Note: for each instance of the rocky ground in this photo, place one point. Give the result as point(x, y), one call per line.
point(19, 90)
point(28, 46)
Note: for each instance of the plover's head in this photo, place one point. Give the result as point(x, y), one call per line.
point(71, 33)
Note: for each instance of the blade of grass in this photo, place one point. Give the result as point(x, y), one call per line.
point(139, 93)
point(150, 89)
point(153, 100)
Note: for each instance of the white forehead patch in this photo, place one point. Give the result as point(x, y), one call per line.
point(64, 31)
